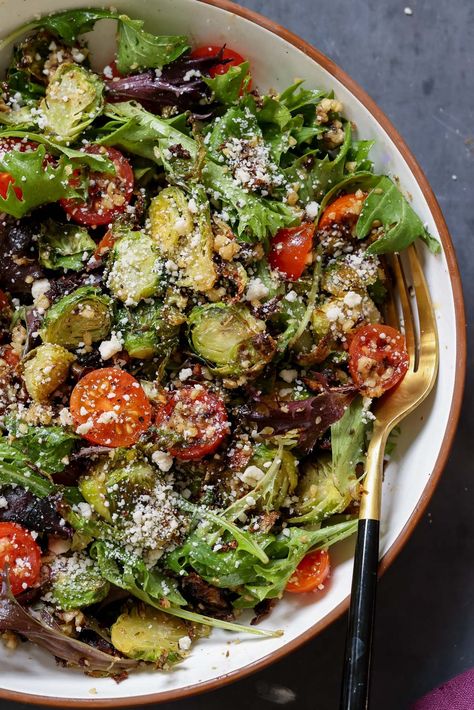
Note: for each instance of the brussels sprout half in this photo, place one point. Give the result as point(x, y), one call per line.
point(150, 635)
point(83, 316)
point(77, 583)
point(45, 369)
point(285, 480)
point(135, 268)
point(339, 315)
point(232, 341)
point(73, 100)
point(318, 493)
point(64, 246)
point(184, 237)
point(147, 331)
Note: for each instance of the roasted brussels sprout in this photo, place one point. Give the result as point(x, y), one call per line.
point(337, 316)
point(111, 483)
point(64, 246)
point(147, 330)
point(83, 316)
point(343, 275)
point(283, 483)
point(230, 339)
point(45, 369)
point(73, 100)
point(76, 582)
point(135, 268)
point(185, 237)
point(150, 635)
point(318, 493)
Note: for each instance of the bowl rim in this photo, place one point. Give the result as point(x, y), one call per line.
point(448, 439)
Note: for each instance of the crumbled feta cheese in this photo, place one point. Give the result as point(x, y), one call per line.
point(3, 502)
point(252, 475)
point(85, 427)
point(184, 643)
point(39, 287)
point(107, 72)
point(65, 417)
point(312, 209)
point(163, 460)
point(291, 296)
point(352, 299)
point(256, 290)
point(288, 375)
point(185, 374)
point(85, 510)
point(192, 206)
point(109, 348)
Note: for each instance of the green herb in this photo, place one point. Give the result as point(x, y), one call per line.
point(401, 225)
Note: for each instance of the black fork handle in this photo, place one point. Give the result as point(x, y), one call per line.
point(358, 653)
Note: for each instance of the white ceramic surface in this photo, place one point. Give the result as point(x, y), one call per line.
point(275, 63)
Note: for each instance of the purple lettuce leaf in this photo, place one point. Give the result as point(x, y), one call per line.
point(33, 513)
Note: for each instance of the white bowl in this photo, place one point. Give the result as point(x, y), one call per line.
point(277, 58)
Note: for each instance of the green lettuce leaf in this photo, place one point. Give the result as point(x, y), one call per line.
point(295, 98)
point(401, 225)
point(138, 49)
point(16, 470)
point(46, 446)
point(40, 182)
point(226, 88)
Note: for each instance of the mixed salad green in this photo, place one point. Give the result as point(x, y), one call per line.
point(191, 336)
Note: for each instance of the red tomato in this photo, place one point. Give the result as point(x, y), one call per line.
point(197, 419)
point(10, 356)
point(289, 250)
point(105, 245)
point(345, 209)
point(210, 50)
point(108, 195)
point(6, 146)
point(378, 359)
point(111, 407)
point(312, 571)
point(22, 554)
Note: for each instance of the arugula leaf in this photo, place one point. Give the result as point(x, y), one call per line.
point(254, 216)
point(138, 49)
point(350, 183)
point(275, 112)
point(401, 225)
point(39, 181)
point(359, 154)
point(226, 88)
point(67, 25)
point(295, 98)
point(317, 175)
point(64, 246)
point(16, 469)
point(95, 162)
point(47, 446)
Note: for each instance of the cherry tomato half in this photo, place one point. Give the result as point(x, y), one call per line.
point(108, 195)
point(110, 408)
point(10, 356)
point(6, 146)
point(22, 554)
point(210, 50)
point(198, 420)
point(345, 209)
point(378, 359)
point(289, 250)
point(105, 245)
point(312, 571)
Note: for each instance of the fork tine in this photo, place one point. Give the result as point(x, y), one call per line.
point(408, 320)
point(426, 316)
point(390, 308)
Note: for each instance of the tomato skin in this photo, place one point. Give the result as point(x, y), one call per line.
point(114, 404)
point(210, 50)
point(108, 195)
point(10, 356)
point(105, 245)
point(114, 72)
point(385, 359)
point(22, 554)
point(194, 408)
point(289, 250)
point(345, 209)
point(312, 571)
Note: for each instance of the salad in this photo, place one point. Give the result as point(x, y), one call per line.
point(191, 338)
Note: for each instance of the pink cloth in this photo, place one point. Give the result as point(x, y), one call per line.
point(456, 694)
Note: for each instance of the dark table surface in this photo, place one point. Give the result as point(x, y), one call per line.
point(420, 70)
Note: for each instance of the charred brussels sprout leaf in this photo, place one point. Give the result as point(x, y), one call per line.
point(185, 239)
point(64, 246)
point(76, 582)
point(233, 342)
point(45, 369)
point(147, 330)
point(84, 316)
point(135, 268)
point(147, 634)
point(73, 100)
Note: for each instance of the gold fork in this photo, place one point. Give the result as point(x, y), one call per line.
point(422, 346)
